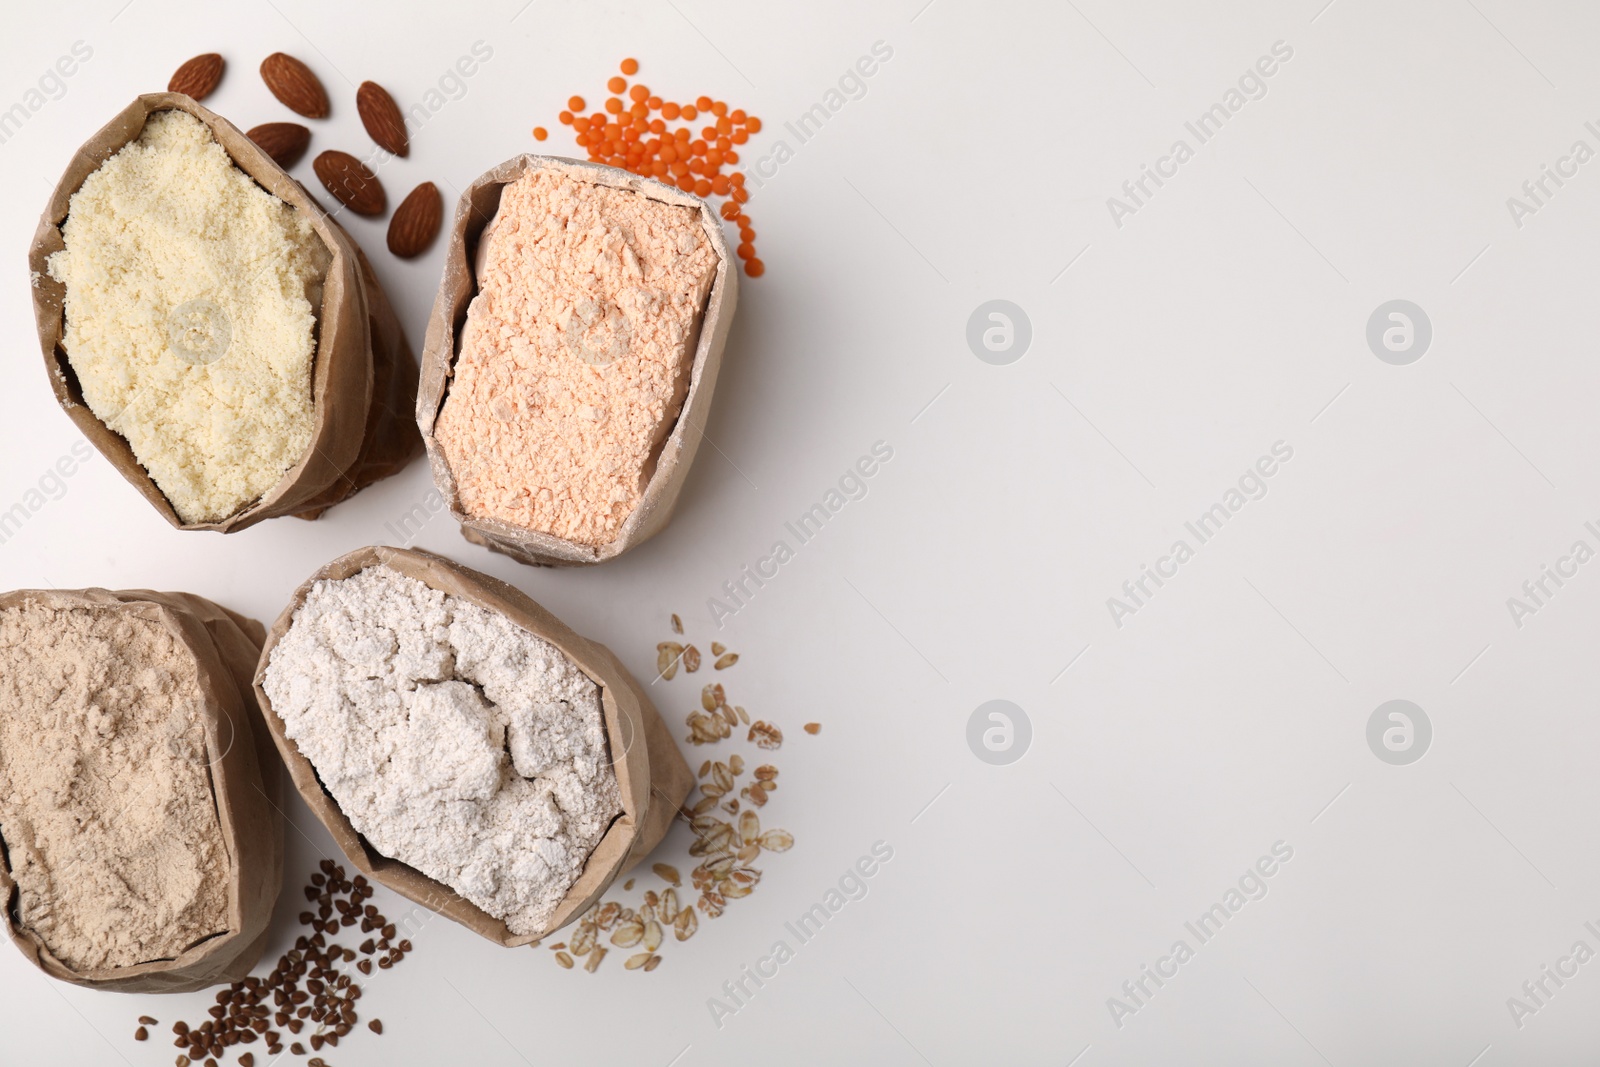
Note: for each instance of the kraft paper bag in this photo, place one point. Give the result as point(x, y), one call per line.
point(244, 777)
point(652, 774)
point(456, 290)
point(363, 372)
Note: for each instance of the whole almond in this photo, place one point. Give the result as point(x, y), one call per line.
point(416, 221)
point(198, 77)
point(285, 142)
point(350, 182)
point(296, 88)
point(381, 116)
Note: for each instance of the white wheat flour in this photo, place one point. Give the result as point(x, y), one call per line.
point(452, 739)
point(106, 804)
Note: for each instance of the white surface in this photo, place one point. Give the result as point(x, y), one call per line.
point(1224, 717)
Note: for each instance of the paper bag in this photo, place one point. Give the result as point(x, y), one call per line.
point(651, 773)
point(244, 778)
point(476, 207)
point(363, 376)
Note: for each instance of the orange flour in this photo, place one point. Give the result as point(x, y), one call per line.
point(576, 354)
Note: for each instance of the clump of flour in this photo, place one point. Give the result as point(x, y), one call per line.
point(106, 802)
point(453, 740)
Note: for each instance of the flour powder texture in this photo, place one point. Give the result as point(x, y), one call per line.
point(576, 354)
point(452, 739)
point(106, 804)
point(189, 317)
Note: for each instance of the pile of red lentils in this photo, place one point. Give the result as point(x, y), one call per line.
point(624, 134)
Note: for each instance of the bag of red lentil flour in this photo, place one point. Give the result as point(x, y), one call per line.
point(236, 793)
point(682, 429)
point(650, 771)
point(363, 373)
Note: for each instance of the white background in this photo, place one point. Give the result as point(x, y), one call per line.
point(1228, 714)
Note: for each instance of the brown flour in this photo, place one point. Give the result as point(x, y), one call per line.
point(106, 810)
point(575, 356)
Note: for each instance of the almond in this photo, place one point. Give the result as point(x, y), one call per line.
point(381, 116)
point(416, 221)
point(296, 88)
point(350, 182)
point(285, 142)
point(198, 77)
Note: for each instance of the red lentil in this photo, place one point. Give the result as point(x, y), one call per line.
point(627, 135)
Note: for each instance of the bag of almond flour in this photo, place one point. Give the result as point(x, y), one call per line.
point(687, 406)
point(362, 376)
point(651, 774)
point(167, 677)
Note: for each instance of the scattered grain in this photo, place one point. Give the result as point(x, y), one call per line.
point(668, 653)
point(765, 735)
point(306, 984)
point(724, 851)
point(628, 137)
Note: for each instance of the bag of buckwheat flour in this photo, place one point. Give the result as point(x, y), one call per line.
point(545, 458)
point(143, 845)
point(355, 424)
point(472, 756)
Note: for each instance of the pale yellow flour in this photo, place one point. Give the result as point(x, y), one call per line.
point(189, 317)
